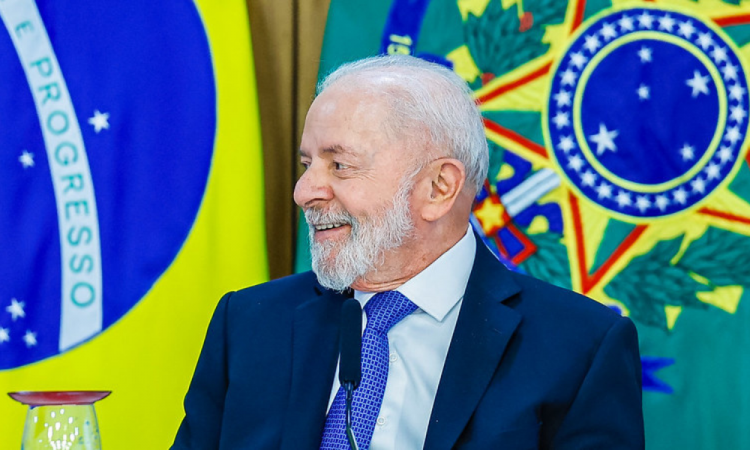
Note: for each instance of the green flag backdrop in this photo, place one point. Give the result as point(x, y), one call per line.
point(618, 169)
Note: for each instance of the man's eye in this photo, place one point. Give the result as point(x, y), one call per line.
point(305, 164)
point(340, 166)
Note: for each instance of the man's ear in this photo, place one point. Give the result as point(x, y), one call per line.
point(447, 177)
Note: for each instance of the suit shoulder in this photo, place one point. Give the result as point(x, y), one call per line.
point(286, 292)
point(563, 305)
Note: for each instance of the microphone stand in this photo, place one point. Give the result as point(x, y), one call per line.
point(349, 389)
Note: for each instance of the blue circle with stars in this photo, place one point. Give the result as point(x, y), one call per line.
point(648, 112)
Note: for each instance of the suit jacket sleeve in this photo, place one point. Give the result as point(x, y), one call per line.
point(607, 410)
point(204, 402)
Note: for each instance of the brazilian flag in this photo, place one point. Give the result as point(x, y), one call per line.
point(618, 168)
point(132, 193)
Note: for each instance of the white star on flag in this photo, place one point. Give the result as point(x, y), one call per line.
point(588, 178)
point(687, 152)
point(575, 162)
point(561, 120)
point(644, 54)
point(26, 159)
point(16, 309)
point(592, 43)
point(562, 98)
point(568, 77)
point(737, 113)
point(604, 139)
point(646, 20)
point(623, 199)
point(705, 41)
point(719, 54)
point(604, 191)
point(729, 72)
point(698, 185)
point(642, 203)
point(713, 171)
point(100, 121)
point(626, 23)
point(29, 338)
point(608, 31)
point(680, 196)
point(666, 23)
point(725, 154)
point(644, 93)
point(686, 29)
point(699, 83)
point(662, 201)
point(566, 144)
point(578, 59)
point(736, 92)
point(732, 135)
point(4, 335)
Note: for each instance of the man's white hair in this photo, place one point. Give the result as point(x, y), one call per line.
point(424, 94)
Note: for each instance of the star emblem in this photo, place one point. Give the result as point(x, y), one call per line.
point(642, 203)
point(604, 139)
point(719, 54)
point(26, 159)
point(736, 92)
point(623, 199)
point(626, 23)
point(16, 309)
point(575, 162)
point(687, 152)
point(592, 43)
point(608, 32)
point(30, 339)
point(729, 72)
point(578, 59)
point(705, 40)
point(561, 120)
point(566, 144)
point(100, 121)
point(644, 93)
point(680, 195)
point(4, 335)
point(699, 84)
point(604, 190)
point(686, 29)
point(662, 202)
point(646, 20)
point(562, 98)
point(737, 113)
point(666, 23)
point(569, 77)
point(644, 54)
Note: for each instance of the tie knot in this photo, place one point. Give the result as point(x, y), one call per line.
point(386, 309)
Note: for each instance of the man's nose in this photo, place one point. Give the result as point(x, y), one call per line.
point(312, 187)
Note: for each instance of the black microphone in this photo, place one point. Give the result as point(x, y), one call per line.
point(350, 360)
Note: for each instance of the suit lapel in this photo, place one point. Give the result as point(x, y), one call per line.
point(314, 358)
point(482, 332)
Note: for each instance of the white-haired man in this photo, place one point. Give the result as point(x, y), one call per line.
point(458, 352)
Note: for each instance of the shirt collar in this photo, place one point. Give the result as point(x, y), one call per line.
point(438, 288)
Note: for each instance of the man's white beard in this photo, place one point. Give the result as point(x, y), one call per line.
point(365, 248)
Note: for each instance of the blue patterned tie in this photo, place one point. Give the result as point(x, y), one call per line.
point(383, 311)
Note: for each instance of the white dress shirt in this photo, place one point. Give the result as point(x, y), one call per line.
point(418, 347)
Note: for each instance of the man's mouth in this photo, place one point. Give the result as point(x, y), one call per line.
point(328, 226)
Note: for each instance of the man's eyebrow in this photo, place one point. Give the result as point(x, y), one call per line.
point(336, 149)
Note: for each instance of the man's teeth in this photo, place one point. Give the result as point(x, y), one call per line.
point(328, 226)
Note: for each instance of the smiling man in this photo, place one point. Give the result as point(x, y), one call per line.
point(458, 352)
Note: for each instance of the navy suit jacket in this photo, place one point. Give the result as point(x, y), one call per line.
point(530, 366)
